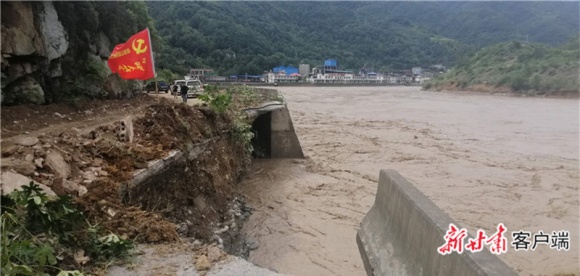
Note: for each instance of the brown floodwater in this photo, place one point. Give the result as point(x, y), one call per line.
point(483, 159)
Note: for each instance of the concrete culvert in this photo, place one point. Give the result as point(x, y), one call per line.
point(274, 135)
point(262, 141)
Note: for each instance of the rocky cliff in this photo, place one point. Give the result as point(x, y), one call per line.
point(55, 51)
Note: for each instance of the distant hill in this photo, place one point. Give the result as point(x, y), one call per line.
point(248, 37)
point(516, 67)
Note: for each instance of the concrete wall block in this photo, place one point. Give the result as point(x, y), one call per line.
point(281, 120)
point(285, 144)
point(125, 131)
point(402, 231)
point(284, 141)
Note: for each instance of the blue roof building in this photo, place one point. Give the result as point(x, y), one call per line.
point(288, 70)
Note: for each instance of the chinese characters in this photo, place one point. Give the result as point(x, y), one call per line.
point(521, 240)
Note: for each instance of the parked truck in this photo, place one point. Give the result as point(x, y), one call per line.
point(162, 87)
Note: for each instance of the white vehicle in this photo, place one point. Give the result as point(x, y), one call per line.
point(195, 87)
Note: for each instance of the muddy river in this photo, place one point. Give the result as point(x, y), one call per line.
point(483, 159)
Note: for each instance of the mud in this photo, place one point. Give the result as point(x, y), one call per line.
point(483, 159)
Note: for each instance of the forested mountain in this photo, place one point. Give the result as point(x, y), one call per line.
point(517, 67)
point(249, 37)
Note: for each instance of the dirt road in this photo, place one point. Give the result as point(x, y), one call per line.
point(483, 159)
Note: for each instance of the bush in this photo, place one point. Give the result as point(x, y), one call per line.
point(42, 236)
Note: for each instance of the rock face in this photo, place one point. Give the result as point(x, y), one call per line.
point(55, 37)
point(19, 35)
point(48, 53)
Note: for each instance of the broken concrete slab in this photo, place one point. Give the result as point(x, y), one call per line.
point(10, 182)
point(125, 131)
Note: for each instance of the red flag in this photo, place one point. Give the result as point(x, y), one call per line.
point(134, 58)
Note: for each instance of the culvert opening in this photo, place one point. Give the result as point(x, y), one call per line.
point(262, 141)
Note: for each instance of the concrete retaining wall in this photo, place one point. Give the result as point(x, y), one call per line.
point(402, 231)
point(285, 143)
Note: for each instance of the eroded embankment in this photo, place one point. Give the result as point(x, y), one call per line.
point(193, 197)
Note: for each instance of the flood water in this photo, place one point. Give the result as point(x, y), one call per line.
point(483, 159)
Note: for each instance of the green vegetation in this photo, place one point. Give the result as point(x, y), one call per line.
point(217, 100)
point(242, 132)
point(518, 66)
point(249, 37)
point(233, 100)
point(49, 236)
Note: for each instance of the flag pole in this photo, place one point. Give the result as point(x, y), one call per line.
point(153, 64)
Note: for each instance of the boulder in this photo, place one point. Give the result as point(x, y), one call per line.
point(25, 168)
point(56, 163)
point(27, 141)
point(10, 182)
